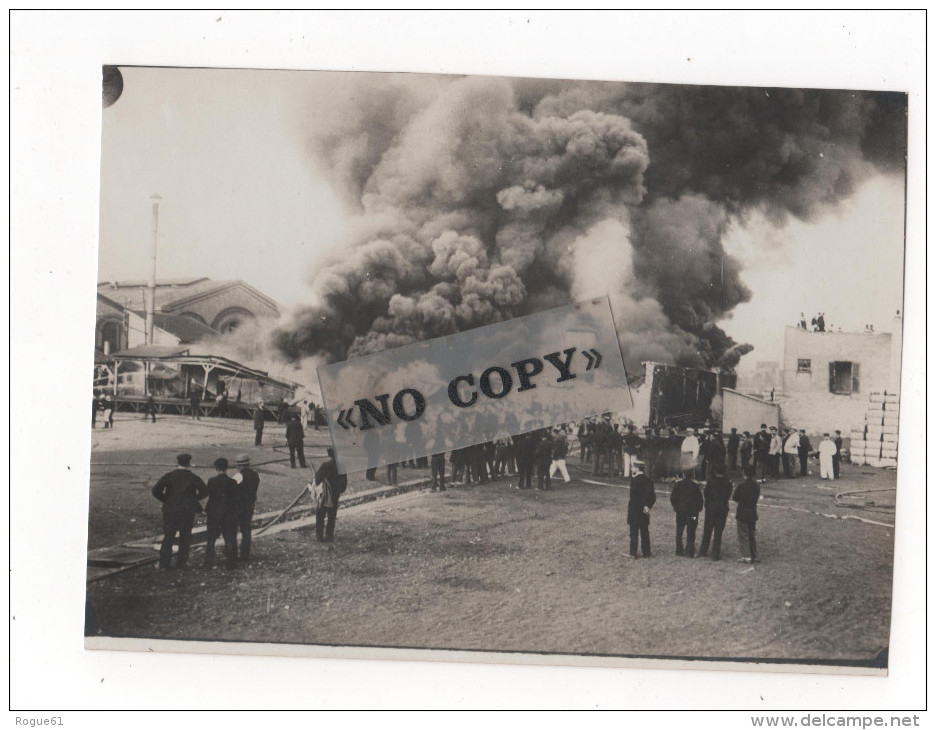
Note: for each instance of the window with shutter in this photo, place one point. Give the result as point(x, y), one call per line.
point(843, 377)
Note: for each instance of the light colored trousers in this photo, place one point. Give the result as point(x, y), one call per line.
point(825, 467)
point(561, 466)
point(629, 460)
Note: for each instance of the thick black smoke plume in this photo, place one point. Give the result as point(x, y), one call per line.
point(481, 199)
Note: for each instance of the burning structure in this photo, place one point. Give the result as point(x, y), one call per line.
point(480, 199)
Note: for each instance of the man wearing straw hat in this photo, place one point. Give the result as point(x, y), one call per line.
point(248, 482)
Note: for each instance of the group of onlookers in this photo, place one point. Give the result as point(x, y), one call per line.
point(614, 449)
point(770, 450)
point(688, 500)
point(103, 404)
point(542, 452)
point(229, 509)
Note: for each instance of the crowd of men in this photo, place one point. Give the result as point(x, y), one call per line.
point(614, 450)
point(605, 448)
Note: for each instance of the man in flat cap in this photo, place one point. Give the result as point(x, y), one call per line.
point(687, 502)
point(248, 482)
point(222, 514)
point(718, 492)
point(179, 491)
point(761, 452)
point(294, 440)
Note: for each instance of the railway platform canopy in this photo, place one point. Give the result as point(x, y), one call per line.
point(172, 375)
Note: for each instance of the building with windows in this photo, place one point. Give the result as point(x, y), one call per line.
point(119, 327)
point(191, 308)
point(828, 376)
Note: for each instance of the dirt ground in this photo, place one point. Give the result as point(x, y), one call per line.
point(495, 568)
point(127, 461)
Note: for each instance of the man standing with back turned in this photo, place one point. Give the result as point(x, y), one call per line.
point(294, 438)
point(248, 484)
point(179, 492)
point(687, 502)
point(222, 514)
point(258, 424)
point(642, 499)
point(746, 495)
point(717, 494)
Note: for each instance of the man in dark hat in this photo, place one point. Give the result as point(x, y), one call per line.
point(734, 443)
point(761, 451)
point(222, 514)
point(331, 485)
point(686, 499)
point(179, 491)
point(746, 495)
point(437, 464)
point(642, 499)
point(717, 495)
point(258, 424)
point(714, 453)
point(542, 457)
point(526, 449)
point(805, 448)
point(294, 438)
point(195, 401)
point(746, 450)
point(837, 456)
point(248, 484)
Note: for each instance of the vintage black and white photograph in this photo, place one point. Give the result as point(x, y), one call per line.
point(258, 227)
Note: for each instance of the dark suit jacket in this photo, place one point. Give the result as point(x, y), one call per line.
point(544, 452)
point(335, 483)
point(642, 494)
point(734, 441)
point(804, 446)
point(179, 491)
point(715, 453)
point(294, 432)
point(761, 443)
point(247, 490)
point(717, 495)
point(222, 498)
point(686, 497)
point(746, 495)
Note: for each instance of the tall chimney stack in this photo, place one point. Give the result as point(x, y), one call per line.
point(151, 290)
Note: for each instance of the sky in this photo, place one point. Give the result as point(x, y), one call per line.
point(243, 197)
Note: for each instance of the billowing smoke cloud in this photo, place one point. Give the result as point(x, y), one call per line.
point(481, 199)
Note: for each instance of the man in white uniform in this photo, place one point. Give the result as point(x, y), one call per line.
point(826, 451)
point(690, 450)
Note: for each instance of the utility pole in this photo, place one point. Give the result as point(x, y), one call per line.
point(151, 291)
